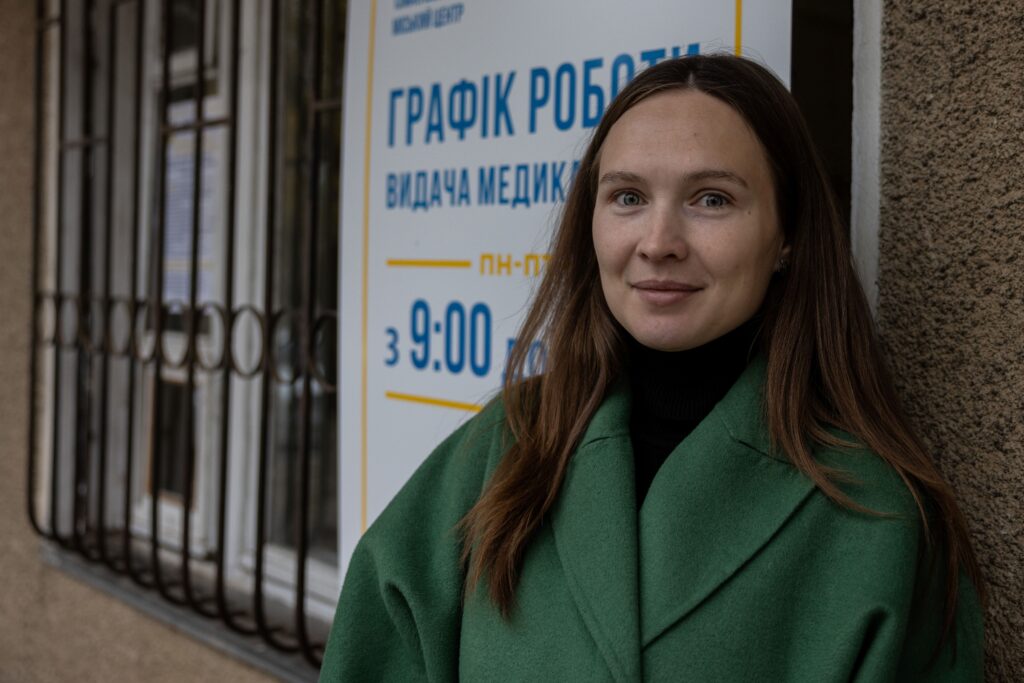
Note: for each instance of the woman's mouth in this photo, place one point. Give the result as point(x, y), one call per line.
point(664, 292)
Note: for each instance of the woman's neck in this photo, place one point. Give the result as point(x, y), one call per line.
point(687, 384)
point(673, 391)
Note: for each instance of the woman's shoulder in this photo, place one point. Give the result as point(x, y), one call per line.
point(398, 612)
point(868, 479)
point(899, 561)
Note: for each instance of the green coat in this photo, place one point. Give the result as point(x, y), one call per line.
point(736, 568)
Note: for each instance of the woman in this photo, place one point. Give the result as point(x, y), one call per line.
point(712, 480)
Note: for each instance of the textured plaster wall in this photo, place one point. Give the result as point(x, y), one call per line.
point(951, 279)
point(53, 628)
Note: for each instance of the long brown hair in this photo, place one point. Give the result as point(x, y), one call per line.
point(824, 365)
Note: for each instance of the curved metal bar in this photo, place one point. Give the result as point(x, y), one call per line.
point(37, 296)
point(221, 313)
point(54, 533)
point(141, 305)
point(182, 308)
point(191, 352)
point(45, 301)
point(259, 607)
point(313, 369)
point(155, 444)
point(124, 350)
point(233, 364)
point(227, 361)
point(144, 580)
point(309, 263)
point(273, 363)
point(83, 405)
point(108, 202)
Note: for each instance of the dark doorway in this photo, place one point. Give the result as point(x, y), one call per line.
point(822, 83)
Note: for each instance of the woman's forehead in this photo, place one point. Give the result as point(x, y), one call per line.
point(683, 132)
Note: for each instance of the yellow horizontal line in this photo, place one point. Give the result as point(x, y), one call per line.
point(426, 263)
point(444, 403)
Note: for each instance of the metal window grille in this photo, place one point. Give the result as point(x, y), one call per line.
point(184, 327)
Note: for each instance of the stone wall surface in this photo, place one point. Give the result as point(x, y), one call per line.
point(951, 271)
point(53, 628)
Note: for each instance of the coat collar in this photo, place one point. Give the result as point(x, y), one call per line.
point(714, 503)
point(594, 522)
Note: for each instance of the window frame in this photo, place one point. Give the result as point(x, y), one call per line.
point(277, 578)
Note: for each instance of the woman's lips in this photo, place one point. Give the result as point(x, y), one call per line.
point(664, 292)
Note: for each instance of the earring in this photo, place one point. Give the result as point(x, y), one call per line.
point(782, 265)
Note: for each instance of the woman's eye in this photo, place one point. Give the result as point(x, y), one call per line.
point(627, 198)
point(713, 200)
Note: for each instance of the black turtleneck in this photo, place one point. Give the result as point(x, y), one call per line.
point(674, 391)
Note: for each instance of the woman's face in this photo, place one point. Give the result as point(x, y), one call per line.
point(685, 225)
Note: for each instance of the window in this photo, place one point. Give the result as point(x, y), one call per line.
point(185, 323)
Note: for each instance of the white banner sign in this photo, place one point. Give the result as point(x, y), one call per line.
point(464, 122)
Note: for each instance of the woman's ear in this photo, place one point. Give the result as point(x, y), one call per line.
point(782, 262)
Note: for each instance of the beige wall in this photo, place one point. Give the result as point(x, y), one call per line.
point(52, 627)
point(952, 269)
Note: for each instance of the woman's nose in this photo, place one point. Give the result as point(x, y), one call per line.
point(663, 236)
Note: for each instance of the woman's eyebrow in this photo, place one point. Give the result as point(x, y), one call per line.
point(619, 177)
point(695, 176)
point(716, 174)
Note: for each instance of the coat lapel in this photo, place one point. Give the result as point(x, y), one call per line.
point(715, 502)
point(595, 526)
